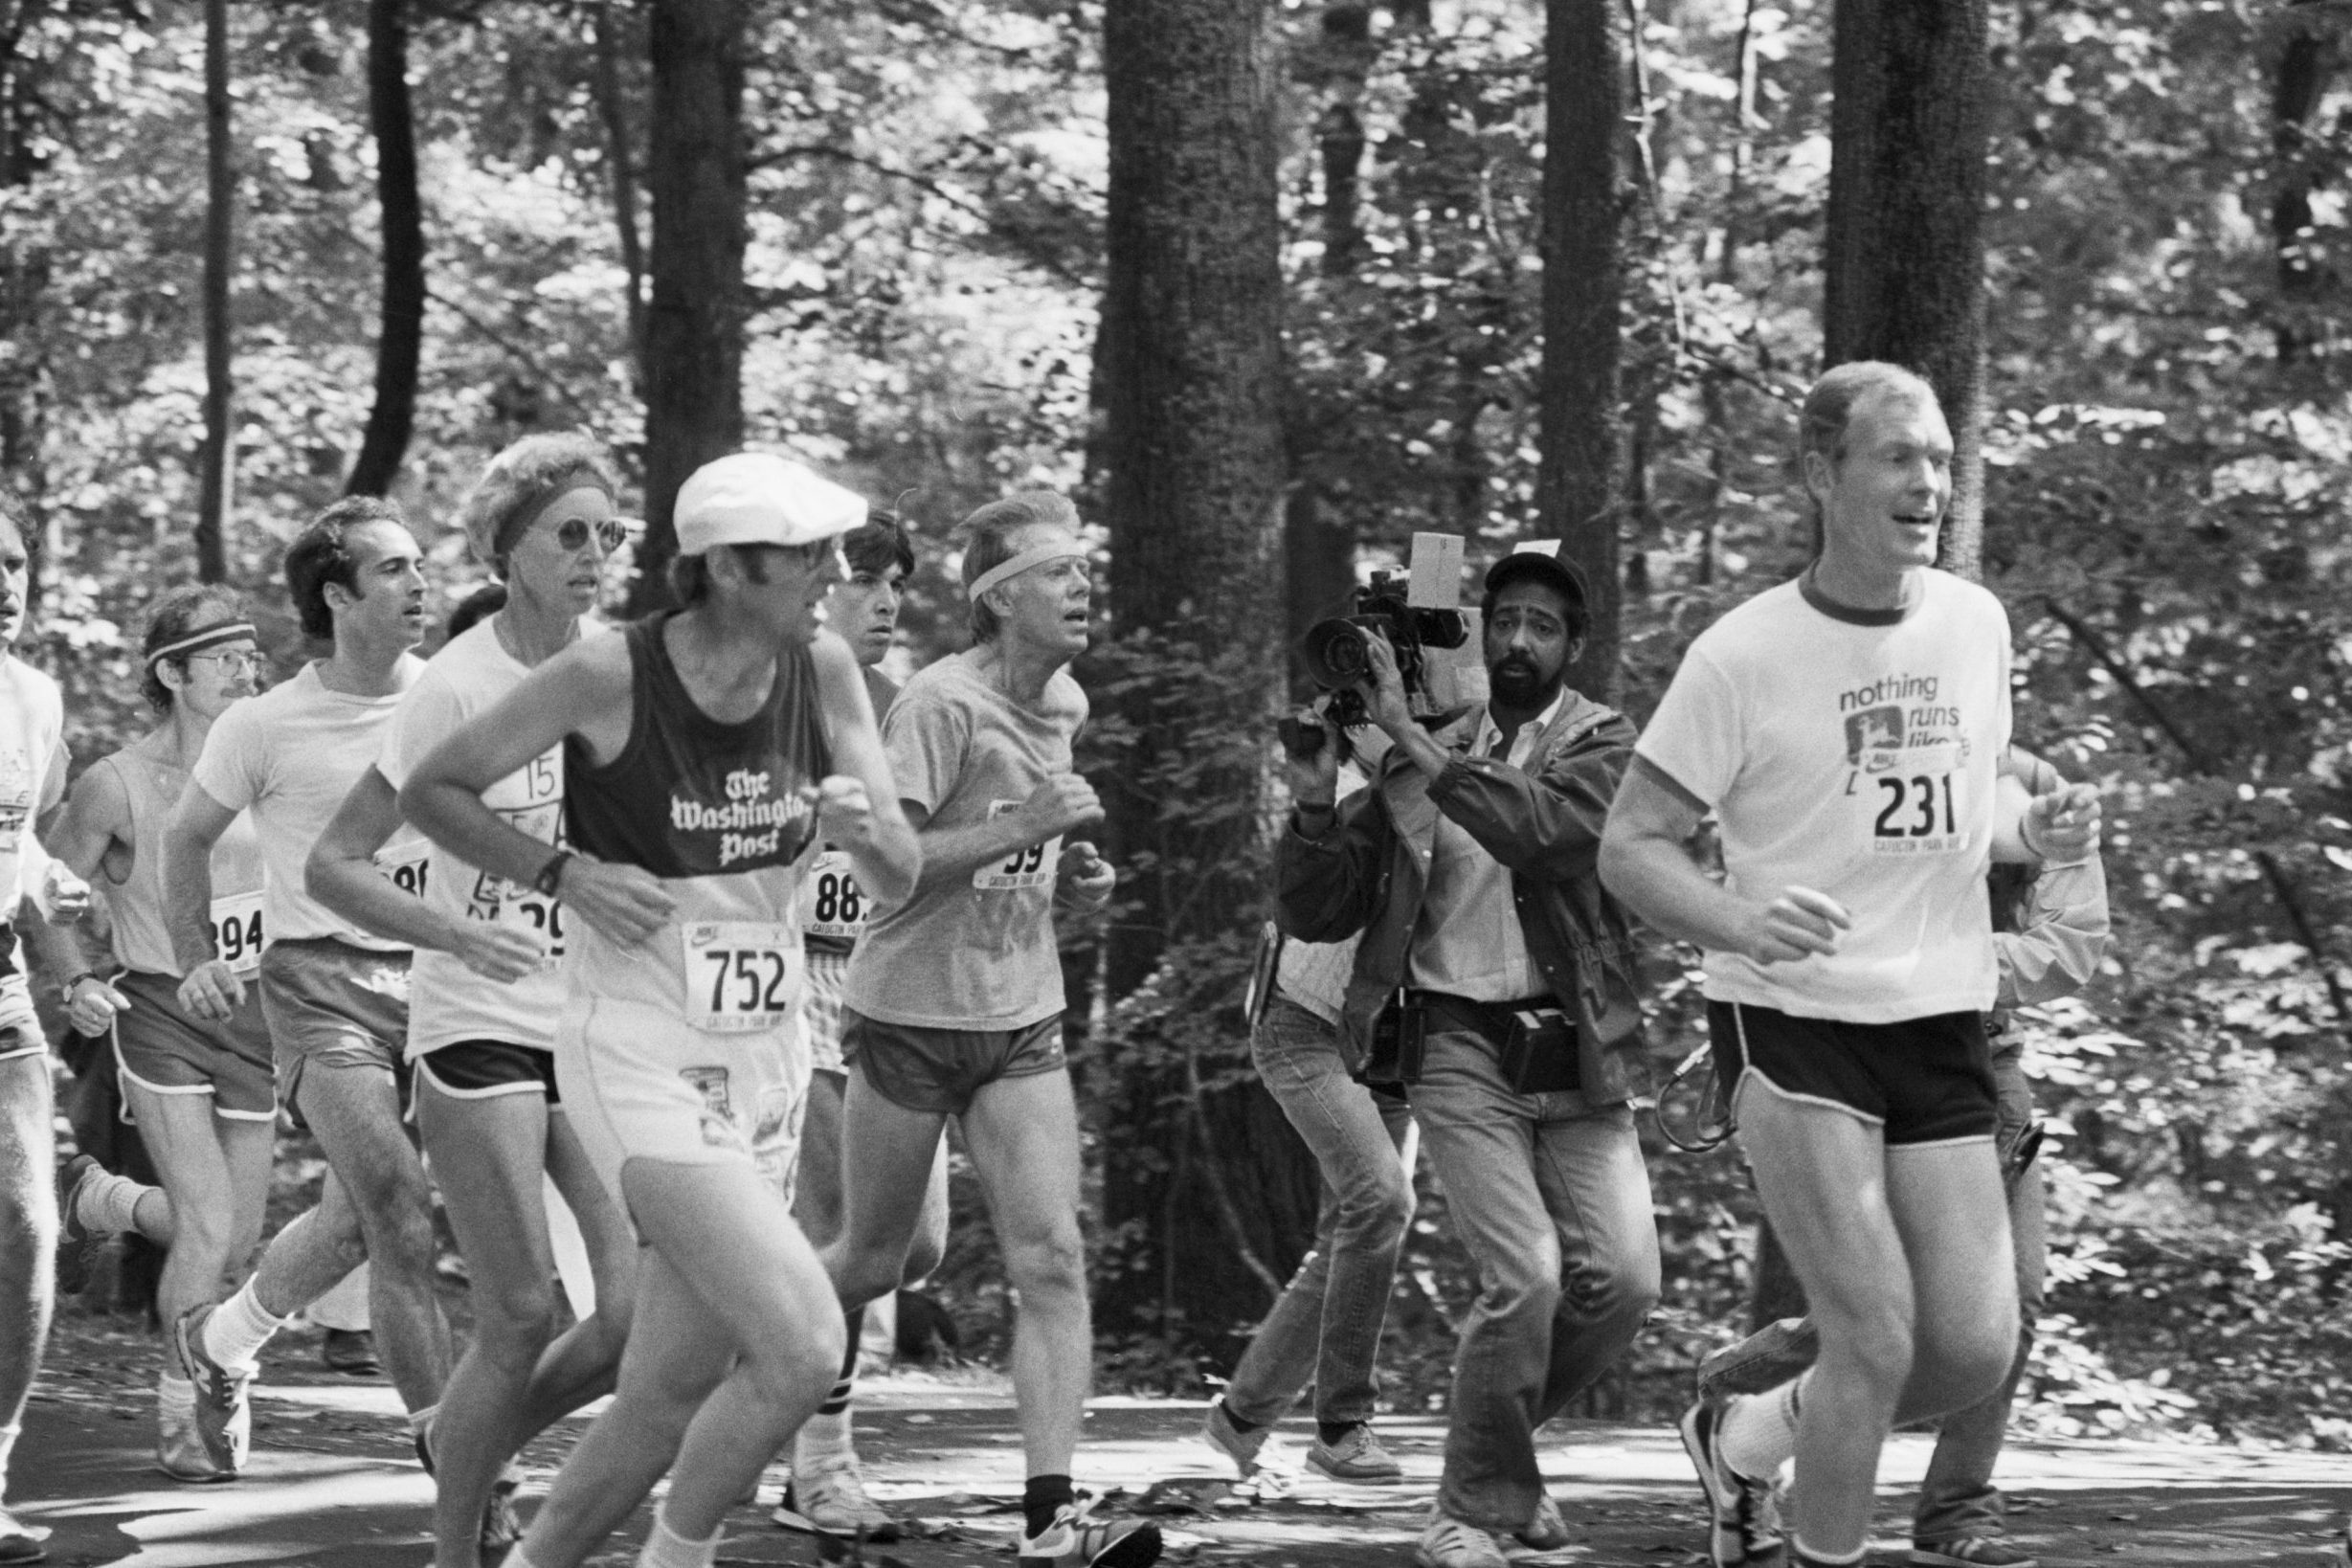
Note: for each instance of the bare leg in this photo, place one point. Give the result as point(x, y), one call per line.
point(1022, 1133)
point(27, 1233)
point(887, 1155)
point(216, 1173)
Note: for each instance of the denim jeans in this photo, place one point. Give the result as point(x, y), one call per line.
point(1957, 1496)
point(1326, 1325)
point(1551, 1195)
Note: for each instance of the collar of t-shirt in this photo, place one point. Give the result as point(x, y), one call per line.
point(1490, 733)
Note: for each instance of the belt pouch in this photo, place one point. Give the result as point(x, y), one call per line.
point(1539, 1051)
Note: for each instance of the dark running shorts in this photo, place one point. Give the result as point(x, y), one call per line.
point(166, 1050)
point(336, 1005)
point(484, 1070)
point(1922, 1081)
point(939, 1070)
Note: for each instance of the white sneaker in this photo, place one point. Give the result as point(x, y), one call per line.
point(180, 1450)
point(1453, 1543)
point(827, 1496)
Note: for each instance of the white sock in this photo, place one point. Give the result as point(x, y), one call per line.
point(8, 1446)
point(820, 1437)
point(421, 1424)
point(665, 1548)
point(515, 1558)
point(1804, 1552)
point(110, 1203)
point(237, 1329)
point(1758, 1433)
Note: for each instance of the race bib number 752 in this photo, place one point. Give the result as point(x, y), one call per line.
point(741, 975)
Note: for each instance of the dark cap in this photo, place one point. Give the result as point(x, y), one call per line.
point(1538, 560)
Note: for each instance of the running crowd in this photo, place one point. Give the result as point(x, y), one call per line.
point(703, 925)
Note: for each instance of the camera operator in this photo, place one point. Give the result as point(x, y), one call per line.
point(1495, 979)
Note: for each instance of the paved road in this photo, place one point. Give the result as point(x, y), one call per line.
point(332, 1486)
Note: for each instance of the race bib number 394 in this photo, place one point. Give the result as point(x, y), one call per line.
point(236, 931)
point(741, 975)
point(1032, 867)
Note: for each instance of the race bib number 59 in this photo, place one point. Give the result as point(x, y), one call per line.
point(741, 975)
point(1032, 867)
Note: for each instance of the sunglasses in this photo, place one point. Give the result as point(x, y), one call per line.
point(572, 533)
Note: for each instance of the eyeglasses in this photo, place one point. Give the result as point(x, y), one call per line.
point(612, 532)
point(234, 660)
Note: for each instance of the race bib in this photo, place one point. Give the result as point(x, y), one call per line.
point(408, 871)
point(1032, 867)
point(832, 904)
point(1912, 801)
point(236, 931)
point(741, 975)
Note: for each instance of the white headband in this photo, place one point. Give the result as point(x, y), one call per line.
point(226, 631)
point(1020, 564)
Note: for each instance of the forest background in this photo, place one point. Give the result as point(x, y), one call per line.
point(932, 305)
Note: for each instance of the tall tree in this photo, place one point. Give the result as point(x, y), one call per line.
point(1580, 482)
point(400, 337)
point(2309, 56)
point(1908, 132)
point(1211, 1182)
point(695, 167)
point(217, 466)
point(620, 178)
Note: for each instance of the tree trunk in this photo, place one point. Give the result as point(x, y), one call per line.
point(1906, 245)
point(400, 343)
point(1581, 481)
point(2307, 62)
point(694, 325)
point(620, 175)
point(217, 479)
point(1214, 1191)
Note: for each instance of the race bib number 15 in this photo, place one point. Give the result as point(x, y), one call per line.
point(1032, 867)
point(741, 975)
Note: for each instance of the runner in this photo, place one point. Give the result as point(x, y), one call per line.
point(32, 783)
point(200, 1090)
point(335, 996)
point(1849, 953)
point(827, 1491)
point(954, 999)
point(481, 1024)
point(694, 748)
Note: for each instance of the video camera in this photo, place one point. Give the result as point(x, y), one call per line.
point(1413, 614)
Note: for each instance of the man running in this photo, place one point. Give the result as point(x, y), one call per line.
point(335, 996)
point(32, 783)
point(827, 1491)
point(954, 999)
point(706, 751)
point(200, 1089)
point(1848, 730)
point(482, 1023)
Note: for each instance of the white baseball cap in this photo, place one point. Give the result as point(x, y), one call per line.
point(757, 498)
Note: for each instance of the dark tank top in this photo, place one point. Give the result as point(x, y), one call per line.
point(689, 796)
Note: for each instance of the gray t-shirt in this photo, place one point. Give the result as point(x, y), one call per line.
point(977, 953)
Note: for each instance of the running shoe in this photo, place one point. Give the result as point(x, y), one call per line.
point(1076, 1539)
point(502, 1527)
point(180, 1452)
point(1971, 1552)
point(74, 1240)
point(1357, 1457)
point(17, 1542)
point(1547, 1531)
point(224, 1407)
point(350, 1351)
point(1450, 1542)
point(1217, 1431)
point(826, 1496)
point(1744, 1525)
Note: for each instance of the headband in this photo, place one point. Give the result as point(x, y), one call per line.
point(228, 631)
point(1018, 565)
point(517, 519)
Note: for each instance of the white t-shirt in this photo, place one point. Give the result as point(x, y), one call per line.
point(447, 1001)
point(289, 756)
point(32, 728)
point(1853, 754)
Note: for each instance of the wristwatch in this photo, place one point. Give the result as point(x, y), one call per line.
point(551, 873)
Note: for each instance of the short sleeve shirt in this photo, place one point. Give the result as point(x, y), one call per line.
point(977, 953)
point(288, 757)
point(1853, 754)
point(449, 1002)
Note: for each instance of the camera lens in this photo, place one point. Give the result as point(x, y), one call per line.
point(1335, 652)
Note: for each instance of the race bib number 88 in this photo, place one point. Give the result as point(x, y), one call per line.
point(1032, 867)
point(742, 976)
point(831, 902)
